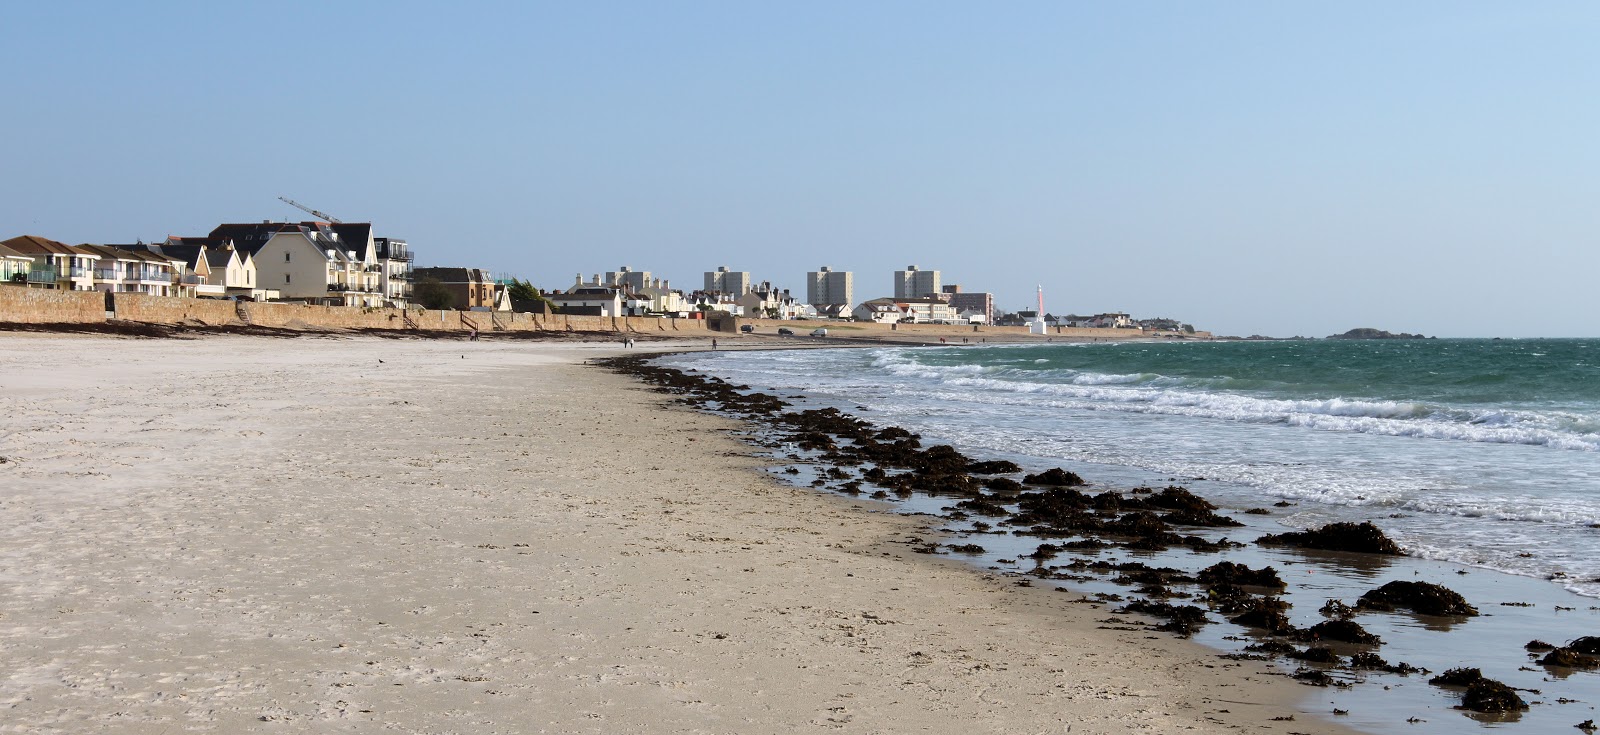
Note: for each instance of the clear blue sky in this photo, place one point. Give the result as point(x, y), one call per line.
point(1251, 167)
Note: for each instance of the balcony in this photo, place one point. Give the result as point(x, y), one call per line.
point(42, 275)
point(107, 274)
point(194, 280)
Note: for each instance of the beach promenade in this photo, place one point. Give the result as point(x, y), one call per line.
point(354, 534)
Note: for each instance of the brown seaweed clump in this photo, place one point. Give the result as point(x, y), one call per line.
point(1338, 630)
point(1362, 538)
point(1423, 598)
point(1488, 695)
point(1368, 660)
point(1228, 572)
point(1456, 677)
point(1055, 477)
point(1568, 658)
point(1587, 644)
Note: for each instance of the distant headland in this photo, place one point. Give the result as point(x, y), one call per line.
point(1370, 333)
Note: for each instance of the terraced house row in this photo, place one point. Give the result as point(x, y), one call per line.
point(339, 264)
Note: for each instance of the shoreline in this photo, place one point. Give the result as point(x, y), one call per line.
point(501, 555)
point(1514, 608)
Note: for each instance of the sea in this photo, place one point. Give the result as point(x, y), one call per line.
point(1480, 457)
point(1484, 452)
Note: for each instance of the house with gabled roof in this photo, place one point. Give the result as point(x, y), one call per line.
point(311, 261)
point(14, 267)
point(122, 270)
point(55, 264)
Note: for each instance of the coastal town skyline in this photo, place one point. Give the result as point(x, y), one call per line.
point(1270, 170)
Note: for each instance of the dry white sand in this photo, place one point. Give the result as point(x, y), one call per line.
point(242, 534)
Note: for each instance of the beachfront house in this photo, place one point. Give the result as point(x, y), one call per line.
point(14, 267)
point(56, 265)
point(133, 271)
point(927, 310)
point(469, 288)
point(310, 261)
point(588, 300)
point(879, 311)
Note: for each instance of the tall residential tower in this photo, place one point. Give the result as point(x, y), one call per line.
point(912, 283)
point(828, 287)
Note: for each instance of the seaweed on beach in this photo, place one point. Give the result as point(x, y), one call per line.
point(1055, 477)
point(1228, 572)
point(1338, 630)
point(1183, 620)
point(1369, 660)
point(1587, 644)
point(1423, 598)
point(1364, 538)
point(1488, 695)
point(1568, 658)
point(1457, 677)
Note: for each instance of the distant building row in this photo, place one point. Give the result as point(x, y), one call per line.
point(338, 263)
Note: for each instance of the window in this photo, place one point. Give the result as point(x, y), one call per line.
point(286, 278)
point(286, 256)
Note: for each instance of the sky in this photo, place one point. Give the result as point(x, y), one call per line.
point(1248, 167)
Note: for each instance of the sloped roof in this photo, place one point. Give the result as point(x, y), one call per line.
point(6, 252)
point(35, 245)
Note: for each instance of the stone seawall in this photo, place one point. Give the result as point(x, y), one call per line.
point(44, 306)
point(19, 305)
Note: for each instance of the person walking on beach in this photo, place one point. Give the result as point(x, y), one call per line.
point(474, 337)
point(713, 343)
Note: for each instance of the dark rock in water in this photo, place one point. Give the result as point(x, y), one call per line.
point(1568, 658)
point(1537, 645)
point(993, 467)
point(1588, 644)
point(1338, 630)
point(1318, 654)
point(1231, 573)
point(1258, 512)
point(1423, 598)
point(1370, 333)
point(967, 548)
point(1488, 695)
point(1457, 677)
point(1056, 477)
point(1358, 537)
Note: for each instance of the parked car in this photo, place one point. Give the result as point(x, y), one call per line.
point(819, 332)
point(747, 327)
point(785, 332)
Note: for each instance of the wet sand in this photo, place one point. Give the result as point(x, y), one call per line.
point(247, 534)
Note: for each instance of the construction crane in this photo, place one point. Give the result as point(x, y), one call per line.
point(314, 213)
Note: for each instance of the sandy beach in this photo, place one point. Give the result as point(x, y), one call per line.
point(333, 534)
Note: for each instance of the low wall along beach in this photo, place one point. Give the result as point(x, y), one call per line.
point(41, 306)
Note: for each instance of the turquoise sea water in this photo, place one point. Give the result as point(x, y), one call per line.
point(1485, 452)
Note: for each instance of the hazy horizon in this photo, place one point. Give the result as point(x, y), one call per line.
point(1246, 167)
